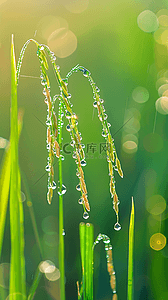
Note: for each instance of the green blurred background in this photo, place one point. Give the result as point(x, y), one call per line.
point(121, 57)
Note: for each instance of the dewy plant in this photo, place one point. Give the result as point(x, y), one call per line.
point(11, 173)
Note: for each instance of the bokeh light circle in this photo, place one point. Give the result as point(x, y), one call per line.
point(76, 6)
point(161, 105)
point(49, 24)
point(148, 21)
point(157, 241)
point(64, 45)
point(162, 89)
point(53, 276)
point(161, 81)
point(47, 266)
point(163, 20)
point(153, 142)
point(156, 205)
point(130, 143)
point(49, 225)
point(3, 143)
point(140, 94)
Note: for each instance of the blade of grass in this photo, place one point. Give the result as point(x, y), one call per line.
point(35, 284)
point(86, 244)
point(61, 220)
point(17, 271)
point(130, 254)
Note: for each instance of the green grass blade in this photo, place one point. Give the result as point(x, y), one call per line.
point(35, 284)
point(4, 188)
point(130, 254)
point(17, 275)
point(86, 244)
point(89, 261)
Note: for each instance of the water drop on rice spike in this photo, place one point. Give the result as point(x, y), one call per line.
point(95, 104)
point(54, 185)
point(80, 201)
point(83, 163)
point(68, 128)
point(78, 187)
point(47, 168)
point(85, 215)
point(68, 115)
point(117, 226)
point(120, 172)
point(62, 157)
point(63, 232)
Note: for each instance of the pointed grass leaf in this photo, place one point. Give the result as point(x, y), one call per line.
point(130, 254)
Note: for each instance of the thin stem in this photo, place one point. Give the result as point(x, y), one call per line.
point(61, 221)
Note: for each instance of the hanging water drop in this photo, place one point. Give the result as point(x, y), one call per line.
point(105, 116)
point(48, 122)
point(68, 114)
point(108, 124)
point(63, 232)
point(63, 189)
point(83, 163)
point(62, 157)
point(117, 226)
point(80, 201)
point(101, 101)
point(85, 215)
point(95, 103)
point(104, 134)
point(47, 168)
point(78, 187)
point(68, 128)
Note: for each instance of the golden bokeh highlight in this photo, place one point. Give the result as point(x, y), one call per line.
point(76, 6)
point(162, 89)
point(153, 142)
point(147, 21)
point(47, 266)
point(29, 203)
point(161, 81)
point(53, 276)
point(157, 241)
point(49, 24)
point(130, 143)
point(161, 105)
point(163, 20)
point(156, 205)
point(64, 45)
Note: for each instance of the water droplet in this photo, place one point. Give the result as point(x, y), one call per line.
point(62, 157)
point(44, 92)
point(43, 82)
point(106, 241)
point(48, 147)
point(80, 201)
point(69, 96)
point(109, 125)
point(54, 185)
point(68, 115)
point(47, 168)
point(63, 189)
point(78, 187)
point(68, 128)
point(86, 72)
point(85, 215)
point(74, 155)
point(97, 89)
point(117, 226)
point(72, 143)
point(63, 232)
point(42, 48)
point(48, 122)
point(83, 146)
point(95, 104)
point(83, 163)
point(104, 134)
point(105, 116)
point(101, 100)
point(106, 248)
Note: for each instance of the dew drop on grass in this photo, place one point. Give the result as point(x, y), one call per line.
point(62, 157)
point(47, 168)
point(85, 215)
point(117, 226)
point(63, 232)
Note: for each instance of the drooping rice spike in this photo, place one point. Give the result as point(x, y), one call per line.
point(112, 187)
point(57, 148)
point(110, 168)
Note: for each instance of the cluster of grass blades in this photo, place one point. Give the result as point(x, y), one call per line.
point(11, 179)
